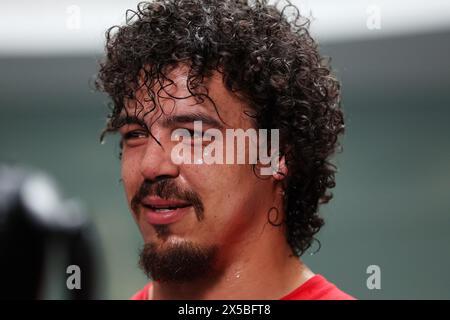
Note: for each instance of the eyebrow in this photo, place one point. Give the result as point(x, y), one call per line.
point(172, 120)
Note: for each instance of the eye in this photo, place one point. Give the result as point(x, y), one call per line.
point(195, 134)
point(134, 137)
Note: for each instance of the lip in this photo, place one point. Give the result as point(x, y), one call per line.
point(159, 202)
point(164, 217)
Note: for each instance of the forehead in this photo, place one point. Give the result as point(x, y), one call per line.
point(172, 97)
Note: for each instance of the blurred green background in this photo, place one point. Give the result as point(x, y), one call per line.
point(392, 200)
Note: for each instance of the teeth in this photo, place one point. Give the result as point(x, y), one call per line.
point(162, 210)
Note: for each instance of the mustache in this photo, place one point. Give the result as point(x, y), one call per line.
point(167, 189)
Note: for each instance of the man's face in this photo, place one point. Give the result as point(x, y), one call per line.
point(197, 205)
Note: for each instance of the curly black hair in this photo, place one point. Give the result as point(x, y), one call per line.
point(268, 57)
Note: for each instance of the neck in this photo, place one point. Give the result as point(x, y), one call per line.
point(262, 269)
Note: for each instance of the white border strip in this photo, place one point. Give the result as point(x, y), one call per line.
point(61, 27)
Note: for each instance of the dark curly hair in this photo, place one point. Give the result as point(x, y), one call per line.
point(266, 56)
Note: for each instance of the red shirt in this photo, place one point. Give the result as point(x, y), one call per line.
point(315, 288)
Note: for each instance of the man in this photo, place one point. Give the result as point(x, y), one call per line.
point(223, 229)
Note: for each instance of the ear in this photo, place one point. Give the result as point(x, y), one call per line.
point(281, 172)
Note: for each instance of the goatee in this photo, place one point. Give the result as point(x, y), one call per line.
point(180, 262)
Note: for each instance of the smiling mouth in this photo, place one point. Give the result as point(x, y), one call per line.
point(157, 211)
point(165, 208)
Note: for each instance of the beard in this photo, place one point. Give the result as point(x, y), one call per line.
point(180, 262)
point(173, 262)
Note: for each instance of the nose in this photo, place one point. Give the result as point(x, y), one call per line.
point(156, 162)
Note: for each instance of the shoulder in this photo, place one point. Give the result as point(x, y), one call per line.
point(142, 294)
point(318, 288)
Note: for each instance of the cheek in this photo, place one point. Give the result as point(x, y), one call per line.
point(130, 175)
point(226, 191)
point(213, 182)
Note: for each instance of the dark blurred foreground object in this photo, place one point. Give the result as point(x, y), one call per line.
point(35, 225)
